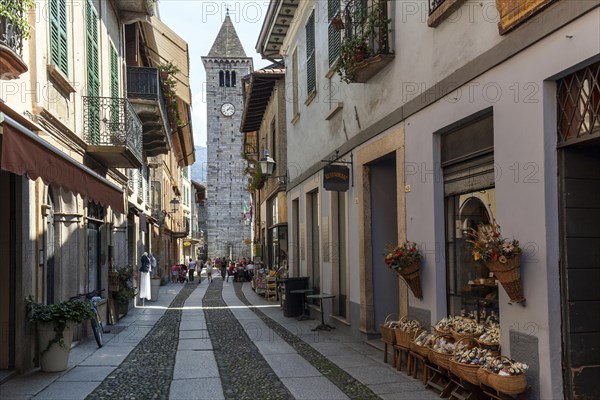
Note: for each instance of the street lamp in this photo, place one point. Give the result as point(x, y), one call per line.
point(174, 205)
point(267, 167)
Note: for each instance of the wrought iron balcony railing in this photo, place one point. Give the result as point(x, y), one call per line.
point(144, 83)
point(112, 122)
point(434, 4)
point(367, 21)
point(11, 35)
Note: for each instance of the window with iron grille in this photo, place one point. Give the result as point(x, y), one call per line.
point(311, 70)
point(578, 98)
point(59, 54)
point(334, 33)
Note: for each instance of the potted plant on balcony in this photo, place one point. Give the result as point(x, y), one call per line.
point(55, 329)
point(368, 38)
point(14, 13)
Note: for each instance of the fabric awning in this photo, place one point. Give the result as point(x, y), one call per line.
point(25, 152)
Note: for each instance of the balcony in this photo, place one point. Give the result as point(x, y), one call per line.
point(113, 132)
point(365, 46)
point(135, 10)
point(11, 50)
point(145, 93)
point(180, 228)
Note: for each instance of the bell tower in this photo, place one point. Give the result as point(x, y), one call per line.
point(225, 65)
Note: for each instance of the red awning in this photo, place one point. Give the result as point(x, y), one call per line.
point(25, 152)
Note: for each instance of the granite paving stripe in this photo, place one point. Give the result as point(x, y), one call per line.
point(244, 373)
point(344, 381)
point(147, 372)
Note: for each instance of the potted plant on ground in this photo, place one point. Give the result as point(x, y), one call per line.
point(501, 256)
point(55, 324)
point(405, 260)
point(126, 290)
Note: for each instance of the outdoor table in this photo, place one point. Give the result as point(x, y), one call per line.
point(303, 292)
point(323, 326)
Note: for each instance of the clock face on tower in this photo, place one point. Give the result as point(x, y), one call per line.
point(227, 109)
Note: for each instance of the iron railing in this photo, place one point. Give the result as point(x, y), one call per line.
point(144, 83)
point(434, 4)
point(112, 121)
point(11, 35)
point(369, 22)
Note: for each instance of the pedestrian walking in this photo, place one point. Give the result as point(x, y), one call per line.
point(209, 268)
point(199, 266)
point(191, 269)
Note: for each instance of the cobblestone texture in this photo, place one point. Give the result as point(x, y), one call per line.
point(147, 371)
point(347, 384)
point(244, 373)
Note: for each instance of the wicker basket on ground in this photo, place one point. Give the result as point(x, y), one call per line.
point(507, 384)
point(465, 370)
point(440, 359)
point(387, 332)
point(423, 351)
point(403, 337)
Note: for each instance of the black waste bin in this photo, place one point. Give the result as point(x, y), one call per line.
point(293, 303)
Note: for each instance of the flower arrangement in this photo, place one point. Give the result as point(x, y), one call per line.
point(488, 244)
point(404, 255)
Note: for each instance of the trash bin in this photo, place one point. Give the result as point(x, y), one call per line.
point(293, 303)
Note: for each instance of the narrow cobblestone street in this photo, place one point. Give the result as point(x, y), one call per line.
point(218, 341)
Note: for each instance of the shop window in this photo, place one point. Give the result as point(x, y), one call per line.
point(468, 165)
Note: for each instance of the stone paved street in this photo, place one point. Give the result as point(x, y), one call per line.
point(218, 341)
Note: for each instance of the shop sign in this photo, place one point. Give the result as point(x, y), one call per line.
point(337, 178)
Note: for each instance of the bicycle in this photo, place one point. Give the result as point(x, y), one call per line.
point(96, 321)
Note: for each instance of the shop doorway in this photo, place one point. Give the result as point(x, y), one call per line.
point(384, 231)
point(579, 191)
point(8, 268)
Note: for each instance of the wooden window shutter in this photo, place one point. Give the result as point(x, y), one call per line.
point(334, 34)
point(58, 35)
point(311, 72)
point(114, 89)
point(131, 44)
point(93, 73)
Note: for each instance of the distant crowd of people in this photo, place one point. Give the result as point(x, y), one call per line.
point(242, 270)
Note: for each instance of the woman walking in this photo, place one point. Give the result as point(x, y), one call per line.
point(209, 268)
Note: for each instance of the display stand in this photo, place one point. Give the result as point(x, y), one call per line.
point(260, 285)
point(271, 290)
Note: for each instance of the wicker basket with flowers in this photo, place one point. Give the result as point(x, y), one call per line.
point(405, 260)
point(501, 256)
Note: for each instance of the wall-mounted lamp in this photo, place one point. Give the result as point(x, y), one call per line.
point(174, 205)
point(267, 167)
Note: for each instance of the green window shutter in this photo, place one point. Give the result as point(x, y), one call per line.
point(334, 35)
point(311, 72)
point(93, 73)
point(114, 91)
point(58, 35)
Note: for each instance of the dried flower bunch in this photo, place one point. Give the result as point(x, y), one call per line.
point(467, 326)
point(401, 256)
point(409, 325)
point(474, 356)
point(391, 324)
point(487, 244)
point(445, 325)
point(491, 335)
point(424, 339)
point(505, 367)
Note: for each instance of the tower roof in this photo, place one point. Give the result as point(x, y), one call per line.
point(227, 44)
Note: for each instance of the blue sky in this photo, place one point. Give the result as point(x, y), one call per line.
point(198, 22)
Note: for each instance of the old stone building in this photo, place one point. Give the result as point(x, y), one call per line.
point(225, 64)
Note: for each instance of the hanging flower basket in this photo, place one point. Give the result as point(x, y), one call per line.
point(501, 256)
point(508, 272)
point(405, 260)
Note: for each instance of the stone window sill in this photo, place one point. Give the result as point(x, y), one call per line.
point(336, 107)
point(60, 81)
point(310, 98)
